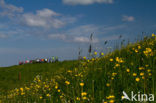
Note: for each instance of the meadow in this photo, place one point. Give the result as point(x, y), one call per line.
point(100, 79)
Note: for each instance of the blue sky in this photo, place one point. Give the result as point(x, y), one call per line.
point(32, 29)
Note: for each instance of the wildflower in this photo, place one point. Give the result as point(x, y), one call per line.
point(83, 94)
point(148, 49)
point(112, 97)
point(102, 53)
point(136, 50)
point(134, 74)
point(137, 79)
point(88, 61)
point(84, 98)
point(95, 53)
point(111, 101)
point(141, 68)
point(107, 84)
point(117, 65)
point(128, 70)
point(141, 74)
point(81, 84)
point(21, 89)
point(84, 58)
point(139, 47)
point(93, 59)
point(61, 96)
point(111, 59)
point(58, 90)
point(114, 74)
point(143, 77)
point(117, 59)
point(41, 97)
point(77, 98)
point(153, 35)
point(69, 71)
point(149, 74)
point(67, 82)
point(56, 87)
point(48, 95)
point(149, 70)
point(22, 93)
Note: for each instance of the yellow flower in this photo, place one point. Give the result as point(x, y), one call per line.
point(137, 79)
point(143, 77)
point(58, 90)
point(112, 97)
point(136, 50)
point(117, 65)
point(83, 94)
point(139, 47)
point(111, 59)
point(102, 53)
point(84, 98)
point(153, 35)
point(134, 74)
point(21, 89)
point(67, 82)
point(111, 101)
point(114, 74)
point(141, 68)
point(48, 95)
point(149, 70)
point(128, 70)
point(88, 61)
point(41, 97)
point(107, 84)
point(95, 53)
point(84, 58)
point(78, 98)
point(56, 87)
point(22, 93)
point(149, 74)
point(117, 59)
point(81, 84)
point(69, 71)
point(141, 74)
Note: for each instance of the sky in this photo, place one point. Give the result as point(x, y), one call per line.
point(31, 29)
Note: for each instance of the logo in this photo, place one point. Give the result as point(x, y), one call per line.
point(138, 97)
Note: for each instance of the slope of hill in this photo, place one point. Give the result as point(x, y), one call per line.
point(98, 80)
point(15, 76)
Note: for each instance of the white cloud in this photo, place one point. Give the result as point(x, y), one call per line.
point(46, 18)
point(84, 30)
point(86, 2)
point(57, 36)
point(42, 18)
point(81, 34)
point(9, 10)
point(128, 18)
point(82, 39)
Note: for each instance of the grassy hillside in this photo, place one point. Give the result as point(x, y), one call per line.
point(98, 80)
point(10, 76)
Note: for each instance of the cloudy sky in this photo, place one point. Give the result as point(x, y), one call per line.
point(42, 28)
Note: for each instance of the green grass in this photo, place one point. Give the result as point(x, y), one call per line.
point(9, 76)
point(104, 80)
